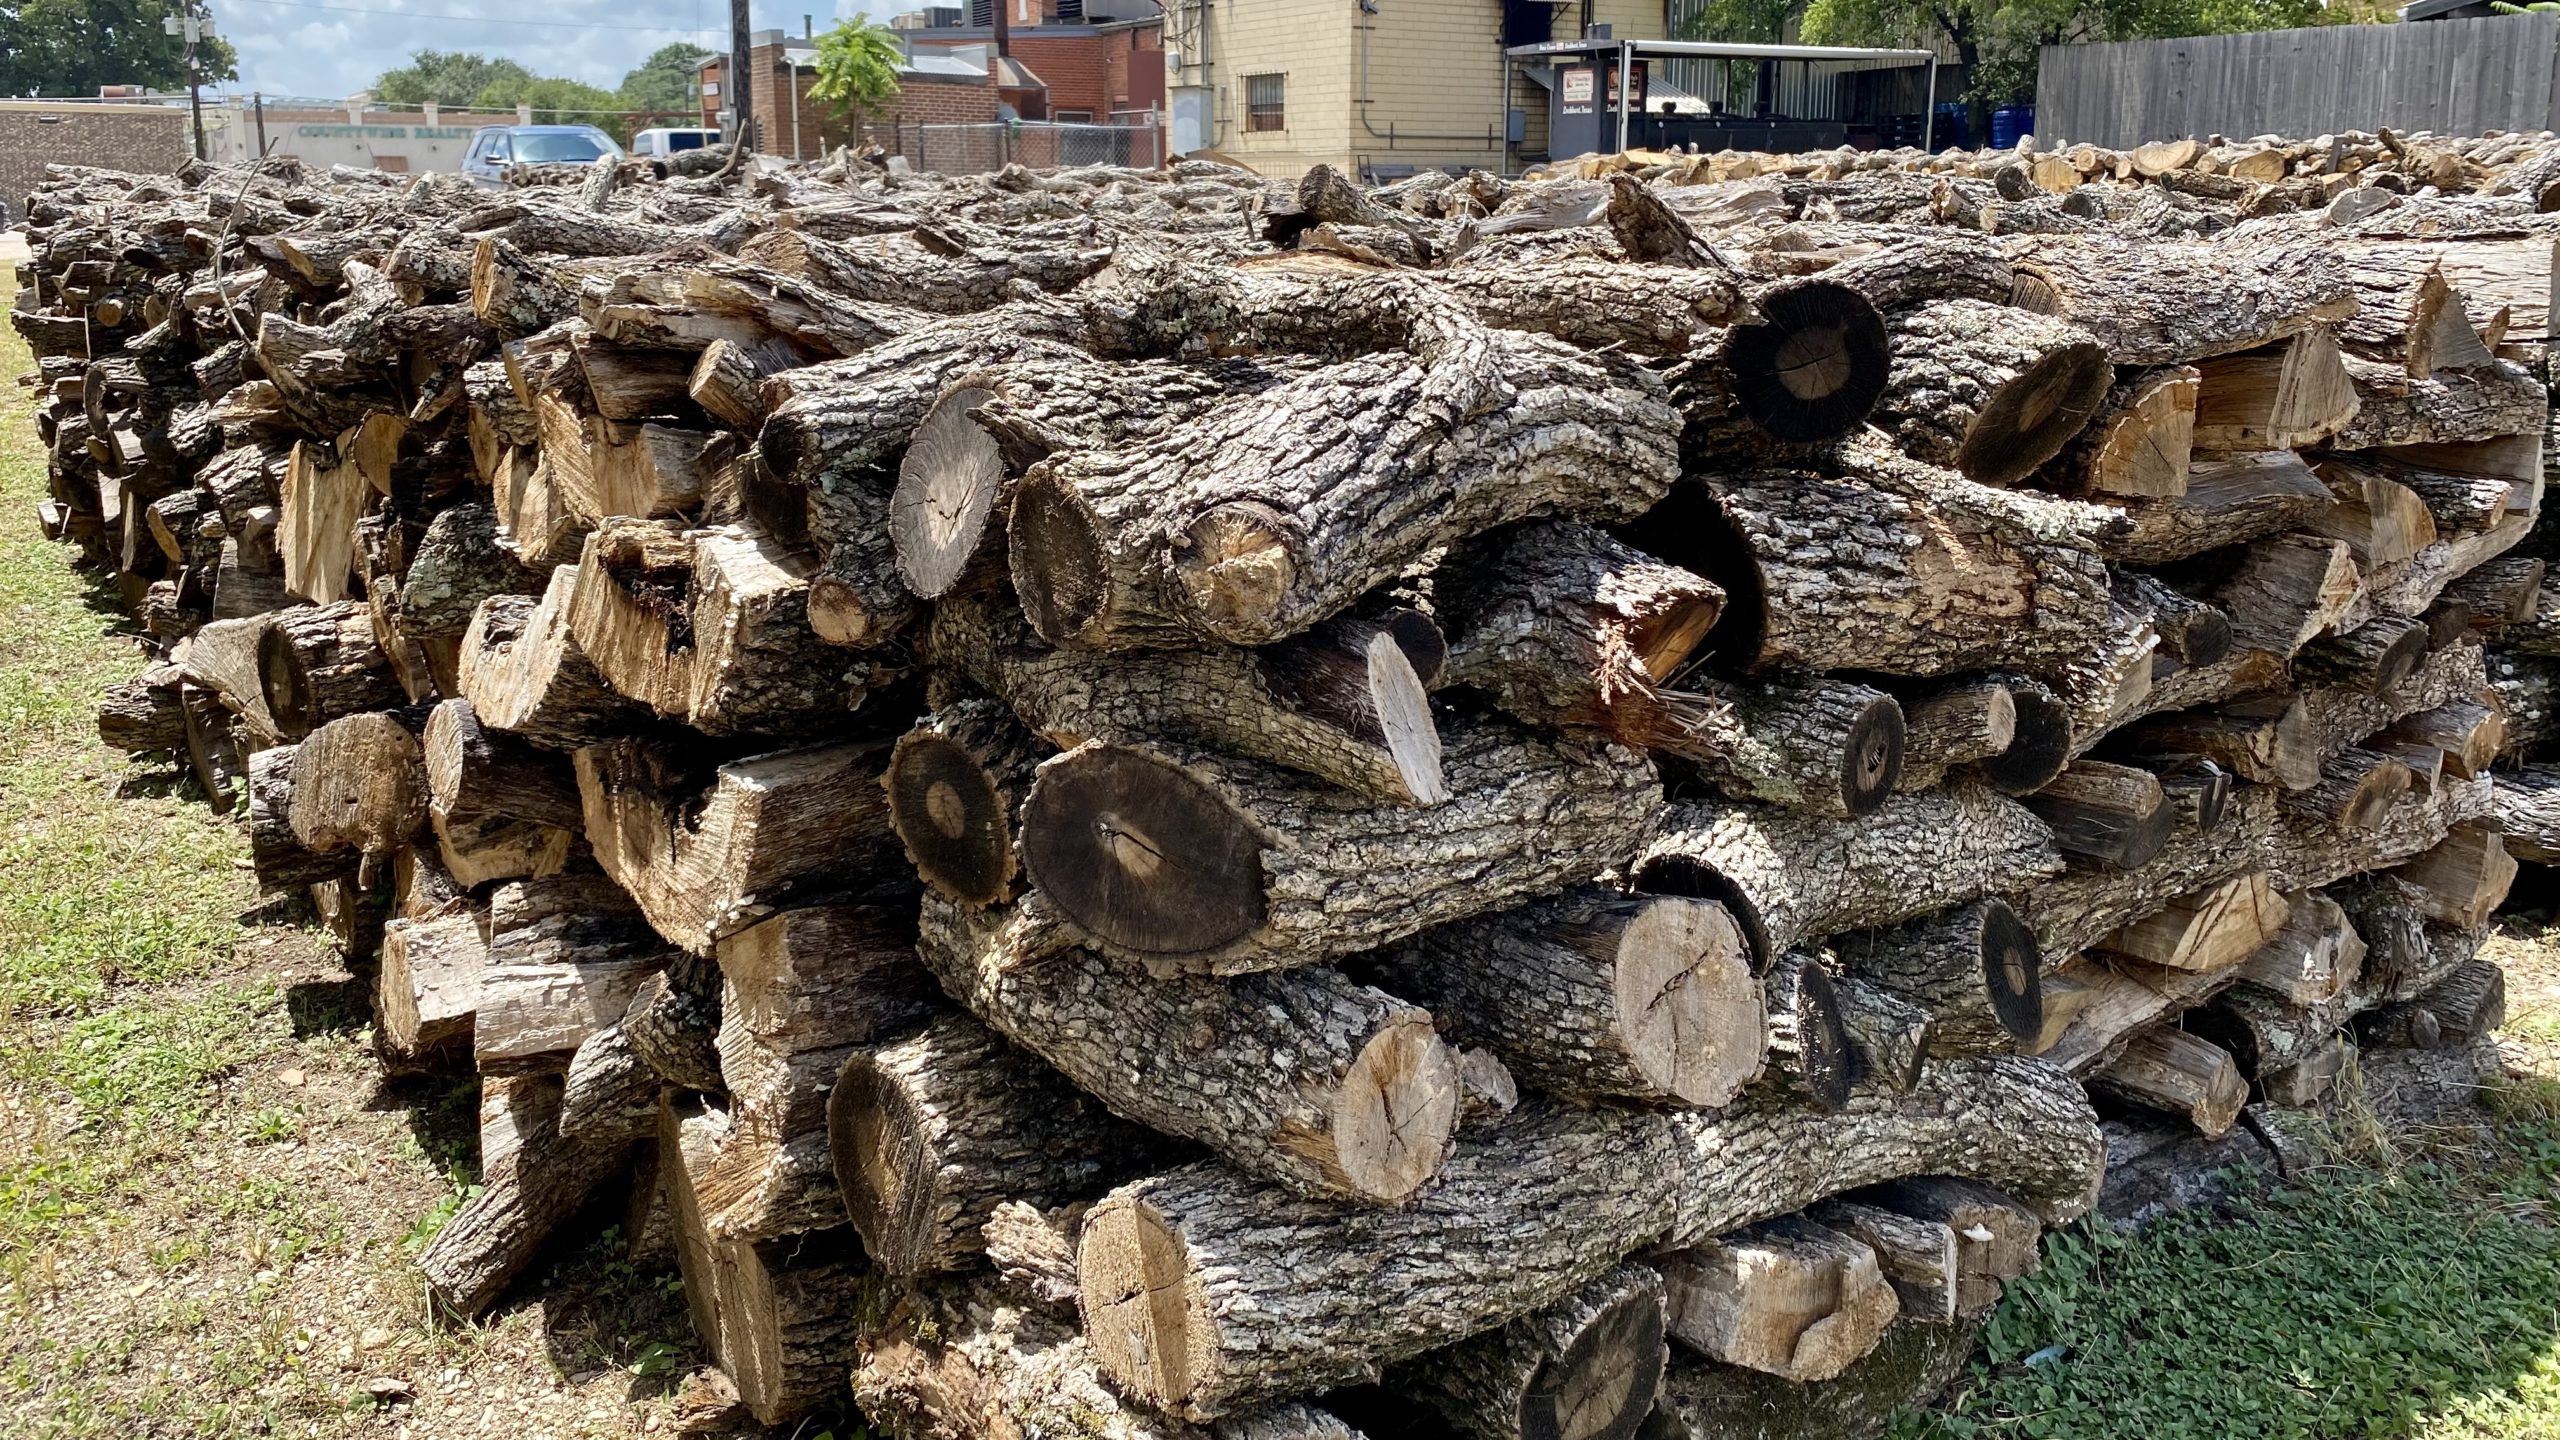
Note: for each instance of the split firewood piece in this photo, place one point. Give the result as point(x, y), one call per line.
point(932, 1132)
point(143, 713)
point(2209, 930)
point(1988, 390)
point(1223, 530)
point(2464, 879)
point(1788, 1297)
point(2268, 1037)
point(2383, 521)
point(2111, 815)
point(2503, 592)
point(2138, 442)
point(1595, 994)
point(2198, 789)
point(2317, 954)
point(1809, 1053)
point(428, 985)
point(2407, 314)
point(1588, 1366)
point(1563, 624)
point(2527, 808)
point(1975, 970)
point(493, 847)
point(728, 378)
point(608, 1091)
point(2167, 304)
point(1916, 1257)
point(2374, 657)
point(457, 564)
point(1340, 702)
point(2287, 591)
point(2357, 788)
point(2463, 1008)
point(956, 481)
point(2182, 1074)
point(321, 663)
point(1996, 1234)
point(1529, 1209)
point(706, 860)
point(360, 784)
point(524, 673)
point(1200, 862)
point(553, 983)
point(2309, 1080)
point(2268, 739)
point(781, 1317)
point(277, 855)
point(1364, 1111)
point(1862, 574)
point(1790, 877)
point(2395, 408)
point(473, 771)
point(531, 1180)
point(2229, 500)
point(803, 991)
point(325, 489)
point(213, 747)
point(1033, 1253)
point(2284, 397)
point(955, 784)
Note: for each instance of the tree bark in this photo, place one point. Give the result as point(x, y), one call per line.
point(2394, 408)
point(1589, 1366)
point(531, 1180)
point(320, 663)
point(1975, 969)
point(2174, 304)
point(1988, 390)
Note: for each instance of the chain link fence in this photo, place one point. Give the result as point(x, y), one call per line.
point(1040, 144)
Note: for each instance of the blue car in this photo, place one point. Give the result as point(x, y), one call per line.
point(497, 147)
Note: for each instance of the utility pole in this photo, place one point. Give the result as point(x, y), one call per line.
point(187, 24)
point(742, 113)
point(259, 99)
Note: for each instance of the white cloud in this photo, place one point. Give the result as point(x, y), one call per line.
point(296, 50)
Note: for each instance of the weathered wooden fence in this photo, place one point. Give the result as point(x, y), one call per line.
point(2452, 76)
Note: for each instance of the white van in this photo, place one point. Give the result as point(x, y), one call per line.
point(662, 143)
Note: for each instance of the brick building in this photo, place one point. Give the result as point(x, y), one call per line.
point(932, 89)
point(35, 133)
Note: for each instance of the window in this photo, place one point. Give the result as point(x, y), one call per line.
point(1072, 117)
point(1266, 102)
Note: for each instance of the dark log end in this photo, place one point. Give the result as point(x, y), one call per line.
point(951, 817)
point(1055, 551)
point(287, 685)
point(1140, 854)
point(948, 486)
point(2012, 971)
point(1825, 1061)
point(1871, 760)
point(2207, 637)
point(2400, 659)
point(2449, 620)
point(1425, 647)
point(2040, 747)
point(1815, 365)
point(886, 1174)
point(1603, 1386)
point(2031, 419)
point(773, 496)
point(1238, 566)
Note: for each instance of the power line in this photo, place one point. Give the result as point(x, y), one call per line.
point(477, 19)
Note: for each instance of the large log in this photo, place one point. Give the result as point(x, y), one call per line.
point(1988, 390)
point(1975, 969)
point(1200, 862)
point(1594, 994)
point(1588, 1366)
point(1364, 1108)
point(523, 671)
point(2168, 304)
point(1203, 1292)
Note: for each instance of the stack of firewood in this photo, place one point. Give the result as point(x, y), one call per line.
point(1134, 803)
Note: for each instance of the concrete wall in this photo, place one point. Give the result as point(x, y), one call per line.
point(149, 138)
point(397, 140)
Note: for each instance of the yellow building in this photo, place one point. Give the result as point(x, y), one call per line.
point(1389, 86)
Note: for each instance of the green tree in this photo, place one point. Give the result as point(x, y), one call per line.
point(558, 101)
point(857, 68)
point(669, 81)
point(446, 77)
point(72, 47)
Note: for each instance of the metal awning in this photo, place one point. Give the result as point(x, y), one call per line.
point(1627, 51)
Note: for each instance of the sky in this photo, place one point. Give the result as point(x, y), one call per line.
point(332, 48)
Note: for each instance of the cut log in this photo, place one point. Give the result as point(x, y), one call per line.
point(552, 984)
point(144, 714)
point(2138, 441)
point(2356, 790)
point(1181, 1272)
point(1341, 702)
point(1809, 1052)
point(1790, 878)
point(2285, 397)
point(2374, 657)
point(523, 672)
point(1593, 994)
point(1201, 862)
point(2287, 591)
point(359, 783)
point(1889, 1037)
point(2111, 815)
point(1975, 970)
point(2383, 521)
point(1364, 1111)
point(2464, 879)
point(2506, 592)
point(1996, 1235)
point(2395, 408)
point(276, 854)
point(1588, 1367)
point(2313, 958)
point(955, 784)
point(706, 860)
point(1224, 531)
point(2208, 930)
point(321, 663)
point(2182, 1074)
point(932, 1132)
point(2167, 304)
point(1827, 746)
point(2229, 500)
point(2270, 740)
point(1955, 724)
point(429, 985)
point(2462, 1009)
point(531, 1180)
point(1790, 1298)
point(473, 771)
point(2528, 813)
point(1917, 1257)
point(1988, 391)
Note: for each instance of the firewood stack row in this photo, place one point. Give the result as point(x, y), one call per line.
point(1146, 804)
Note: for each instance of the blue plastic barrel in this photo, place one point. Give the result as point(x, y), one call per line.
point(2009, 122)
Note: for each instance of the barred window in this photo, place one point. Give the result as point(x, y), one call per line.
point(1266, 102)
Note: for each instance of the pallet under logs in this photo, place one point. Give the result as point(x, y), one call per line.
point(1161, 805)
